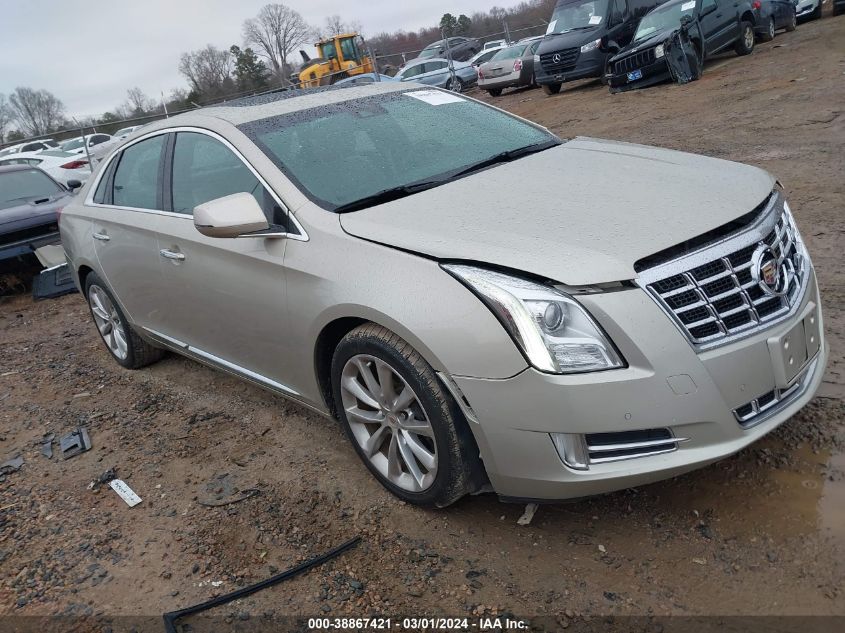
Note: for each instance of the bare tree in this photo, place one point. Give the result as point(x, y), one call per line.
point(137, 103)
point(36, 111)
point(335, 25)
point(209, 71)
point(5, 116)
point(276, 32)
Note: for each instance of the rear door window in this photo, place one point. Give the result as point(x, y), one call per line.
point(136, 180)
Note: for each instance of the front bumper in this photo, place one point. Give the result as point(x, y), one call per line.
point(29, 245)
point(653, 73)
point(587, 65)
point(666, 385)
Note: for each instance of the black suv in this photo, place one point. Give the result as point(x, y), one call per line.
point(699, 28)
point(582, 36)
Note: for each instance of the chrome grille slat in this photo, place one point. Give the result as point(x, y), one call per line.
point(719, 274)
point(751, 412)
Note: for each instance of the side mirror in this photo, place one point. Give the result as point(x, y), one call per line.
point(230, 216)
point(73, 185)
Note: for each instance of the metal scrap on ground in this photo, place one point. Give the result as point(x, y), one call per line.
point(74, 443)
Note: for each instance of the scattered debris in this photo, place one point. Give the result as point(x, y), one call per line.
point(171, 618)
point(125, 492)
point(244, 495)
point(526, 517)
point(9, 373)
point(699, 561)
point(74, 443)
point(11, 465)
point(602, 549)
point(103, 479)
point(47, 445)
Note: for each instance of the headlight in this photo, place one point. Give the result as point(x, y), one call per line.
point(536, 59)
point(658, 51)
point(553, 331)
point(590, 46)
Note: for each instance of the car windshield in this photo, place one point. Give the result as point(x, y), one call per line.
point(432, 50)
point(25, 183)
point(664, 17)
point(74, 144)
point(512, 52)
point(342, 154)
point(571, 15)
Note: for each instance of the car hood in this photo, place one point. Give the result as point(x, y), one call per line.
point(571, 39)
point(653, 40)
point(580, 213)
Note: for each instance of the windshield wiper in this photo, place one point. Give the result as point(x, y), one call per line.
point(574, 28)
point(504, 157)
point(387, 195)
point(394, 193)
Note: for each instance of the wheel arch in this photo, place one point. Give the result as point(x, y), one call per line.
point(748, 16)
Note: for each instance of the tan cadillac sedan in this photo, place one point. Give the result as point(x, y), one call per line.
point(373, 253)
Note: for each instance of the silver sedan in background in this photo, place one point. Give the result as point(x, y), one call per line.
point(511, 67)
point(435, 72)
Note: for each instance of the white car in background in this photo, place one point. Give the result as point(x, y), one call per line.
point(30, 146)
point(61, 166)
point(122, 133)
point(494, 44)
point(811, 9)
point(485, 55)
point(77, 145)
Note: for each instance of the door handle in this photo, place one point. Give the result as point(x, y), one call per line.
point(179, 257)
point(102, 237)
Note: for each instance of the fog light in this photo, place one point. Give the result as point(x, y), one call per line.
point(572, 450)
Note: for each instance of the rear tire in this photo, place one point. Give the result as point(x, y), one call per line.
point(817, 12)
point(793, 21)
point(769, 35)
point(551, 89)
point(745, 44)
point(403, 424)
point(455, 85)
point(495, 92)
point(126, 347)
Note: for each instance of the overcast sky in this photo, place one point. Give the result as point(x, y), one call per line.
point(89, 52)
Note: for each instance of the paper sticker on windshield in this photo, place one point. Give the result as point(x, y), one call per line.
point(551, 26)
point(688, 6)
point(596, 19)
point(435, 97)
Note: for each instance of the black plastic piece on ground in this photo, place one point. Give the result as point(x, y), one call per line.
point(170, 618)
point(74, 443)
point(53, 283)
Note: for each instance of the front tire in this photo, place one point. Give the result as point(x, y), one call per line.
point(769, 35)
point(495, 92)
point(817, 12)
point(745, 43)
point(126, 347)
point(551, 89)
point(793, 22)
point(404, 426)
point(455, 85)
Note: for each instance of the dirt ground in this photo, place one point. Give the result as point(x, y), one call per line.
point(760, 533)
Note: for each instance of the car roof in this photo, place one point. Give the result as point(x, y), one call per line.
point(248, 109)
point(7, 168)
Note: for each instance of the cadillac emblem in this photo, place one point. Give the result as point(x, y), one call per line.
point(773, 274)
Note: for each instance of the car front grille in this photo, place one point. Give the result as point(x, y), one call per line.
point(632, 62)
point(611, 447)
point(759, 409)
point(27, 234)
point(560, 61)
point(714, 294)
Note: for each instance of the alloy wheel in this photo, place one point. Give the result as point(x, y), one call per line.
point(455, 85)
point(389, 423)
point(749, 38)
point(771, 28)
point(108, 321)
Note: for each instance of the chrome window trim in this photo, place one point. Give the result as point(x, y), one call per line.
point(89, 199)
point(722, 248)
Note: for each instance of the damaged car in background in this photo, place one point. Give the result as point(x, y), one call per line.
point(673, 41)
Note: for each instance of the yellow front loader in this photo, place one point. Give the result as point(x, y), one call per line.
point(340, 56)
